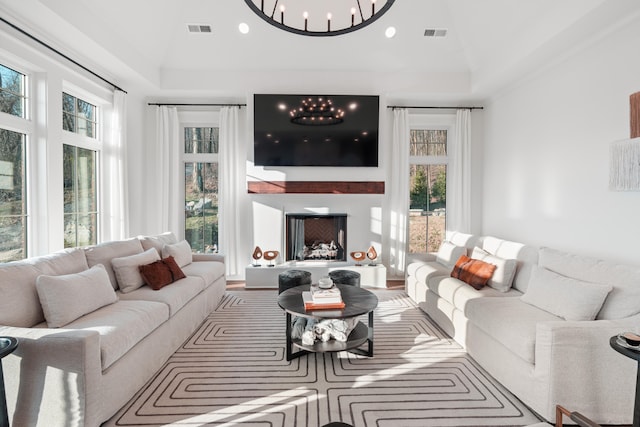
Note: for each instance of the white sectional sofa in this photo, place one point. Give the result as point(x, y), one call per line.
point(90, 332)
point(546, 337)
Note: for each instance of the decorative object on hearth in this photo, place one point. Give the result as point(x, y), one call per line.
point(257, 254)
point(319, 19)
point(372, 255)
point(358, 257)
point(270, 256)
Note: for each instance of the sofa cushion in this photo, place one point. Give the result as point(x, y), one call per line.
point(158, 241)
point(161, 273)
point(502, 277)
point(66, 261)
point(510, 321)
point(207, 270)
point(527, 257)
point(122, 325)
point(473, 271)
point(19, 303)
point(563, 296)
point(458, 293)
point(180, 251)
point(625, 279)
point(105, 252)
point(67, 297)
point(174, 296)
point(448, 253)
point(422, 271)
point(127, 269)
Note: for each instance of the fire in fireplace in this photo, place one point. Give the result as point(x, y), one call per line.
point(316, 237)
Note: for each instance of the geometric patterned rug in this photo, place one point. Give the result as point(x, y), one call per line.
point(233, 371)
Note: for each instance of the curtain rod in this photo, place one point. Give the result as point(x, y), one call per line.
point(196, 105)
point(61, 54)
point(436, 108)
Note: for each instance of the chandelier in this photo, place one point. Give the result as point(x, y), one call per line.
point(320, 17)
point(317, 112)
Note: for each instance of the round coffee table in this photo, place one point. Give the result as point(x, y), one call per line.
point(357, 301)
point(7, 345)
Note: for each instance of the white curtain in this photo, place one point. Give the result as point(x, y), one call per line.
point(165, 194)
point(231, 186)
point(459, 176)
point(399, 194)
point(115, 212)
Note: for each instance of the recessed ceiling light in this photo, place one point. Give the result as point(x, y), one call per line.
point(390, 32)
point(243, 28)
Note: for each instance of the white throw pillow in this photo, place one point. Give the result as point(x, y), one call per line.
point(127, 269)
point(181, 253)
point(68, 297)
point(505, 269)
point(563, 296)
point(448, 253)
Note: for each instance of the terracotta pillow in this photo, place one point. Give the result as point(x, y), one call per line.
point(473, 271)
point(161, 273)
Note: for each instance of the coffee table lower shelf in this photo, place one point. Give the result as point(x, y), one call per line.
point(360, 335)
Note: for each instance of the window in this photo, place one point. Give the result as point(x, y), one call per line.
point(428, 189)
point(13, 209)
point(80, 196)
point(12, 92)
point(201, 188)
point(78, 116)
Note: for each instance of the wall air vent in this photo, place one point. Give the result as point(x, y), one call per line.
point(435, 32)
point(198, 28)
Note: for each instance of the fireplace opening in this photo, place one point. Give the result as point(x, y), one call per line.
point(316, 237)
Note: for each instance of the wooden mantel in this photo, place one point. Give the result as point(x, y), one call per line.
point(316, 187)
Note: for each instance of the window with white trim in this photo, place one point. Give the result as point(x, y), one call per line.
point(80, 171)
point(13, 164)
point(428, 187)
point(201, 186)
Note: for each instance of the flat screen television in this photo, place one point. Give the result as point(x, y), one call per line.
point(316, 130)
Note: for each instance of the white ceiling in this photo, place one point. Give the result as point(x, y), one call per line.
point(489, 42)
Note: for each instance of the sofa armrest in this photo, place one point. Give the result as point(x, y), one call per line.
point(581, 371)
point(50, 365)
point(208, 257)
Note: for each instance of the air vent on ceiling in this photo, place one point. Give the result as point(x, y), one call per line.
point(435, 32)
point(197, 28)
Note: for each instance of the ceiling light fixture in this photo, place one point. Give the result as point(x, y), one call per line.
point(243, 27)
point(319, 18)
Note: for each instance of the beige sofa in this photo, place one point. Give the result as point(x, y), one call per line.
point(81, 373)
point(521, 334)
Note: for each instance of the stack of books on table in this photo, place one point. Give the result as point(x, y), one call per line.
point(317, 298)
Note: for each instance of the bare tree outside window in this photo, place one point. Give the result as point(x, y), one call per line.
point(13, 208)
point(201, 190)
point(428, 189)
point(12, 93)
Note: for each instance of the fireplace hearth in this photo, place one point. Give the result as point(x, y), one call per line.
point(316, 237)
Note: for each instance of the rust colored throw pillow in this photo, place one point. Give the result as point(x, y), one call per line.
point(161, 273)
point(473, 271)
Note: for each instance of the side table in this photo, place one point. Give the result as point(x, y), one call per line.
point(7, 345)
point(635, 355)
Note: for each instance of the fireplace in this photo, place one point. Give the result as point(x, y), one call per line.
point(316, 237)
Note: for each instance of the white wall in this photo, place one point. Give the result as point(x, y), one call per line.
point(546, 152)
